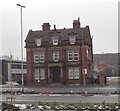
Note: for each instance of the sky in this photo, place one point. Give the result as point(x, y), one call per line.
point(100, 15)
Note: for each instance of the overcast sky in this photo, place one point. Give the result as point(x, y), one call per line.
point(100, 15)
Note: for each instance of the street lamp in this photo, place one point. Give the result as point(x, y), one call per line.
point(21, 6)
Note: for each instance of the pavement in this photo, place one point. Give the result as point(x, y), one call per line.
point(58, 88)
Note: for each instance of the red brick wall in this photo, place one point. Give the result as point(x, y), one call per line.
point(63, 56)
point(29, 66)
point(49, 55)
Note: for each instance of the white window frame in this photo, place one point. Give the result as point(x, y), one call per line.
point(72, 39)
point(76, 55)
point(39, 74)
point(55, 56)
point(42, 74)
point(70, 73)
point(55, 40)
point(72, 55)
point(76, 73)
point(41, 57)
point(38, 41)
point(36, 57)
point(73, 73)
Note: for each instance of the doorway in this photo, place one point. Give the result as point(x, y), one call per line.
point(56, 74)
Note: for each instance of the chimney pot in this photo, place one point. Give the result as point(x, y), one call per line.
point(54, 27)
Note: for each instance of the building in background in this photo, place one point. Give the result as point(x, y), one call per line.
point(62, 56)
point(10, 66)
point(109, 62)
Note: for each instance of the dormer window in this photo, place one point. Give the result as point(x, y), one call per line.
point(38, 41)
point(72, 39)
point(55, 40)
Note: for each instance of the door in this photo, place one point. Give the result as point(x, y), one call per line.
point(56, 74)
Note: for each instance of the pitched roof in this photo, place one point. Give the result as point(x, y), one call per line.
point(62, 33)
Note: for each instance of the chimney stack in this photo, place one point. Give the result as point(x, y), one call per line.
point(46, 26)
point(76, 23)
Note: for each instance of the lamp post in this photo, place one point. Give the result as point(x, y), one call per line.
point(11, 75)
point(21, 6)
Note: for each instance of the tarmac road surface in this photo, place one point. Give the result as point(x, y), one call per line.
point(68, 98)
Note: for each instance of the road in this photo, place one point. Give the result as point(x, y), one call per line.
point(68, 98)
point(32, 98)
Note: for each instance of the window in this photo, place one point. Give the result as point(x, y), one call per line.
point(19, 67)
point(76, 72)
point(70, 72)
point(42, 74)
point(38, 41)
point(73, 72)
point(73, 55)
point(24, 66)
point(72, 39)
point(36, 57)
point(14, 66)
point(70, 55)
point(39, 57)
point(55, 55)
point(55, 40)
point(76, 55)
point(39, 74)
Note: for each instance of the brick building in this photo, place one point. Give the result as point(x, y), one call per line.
point(59, 55)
